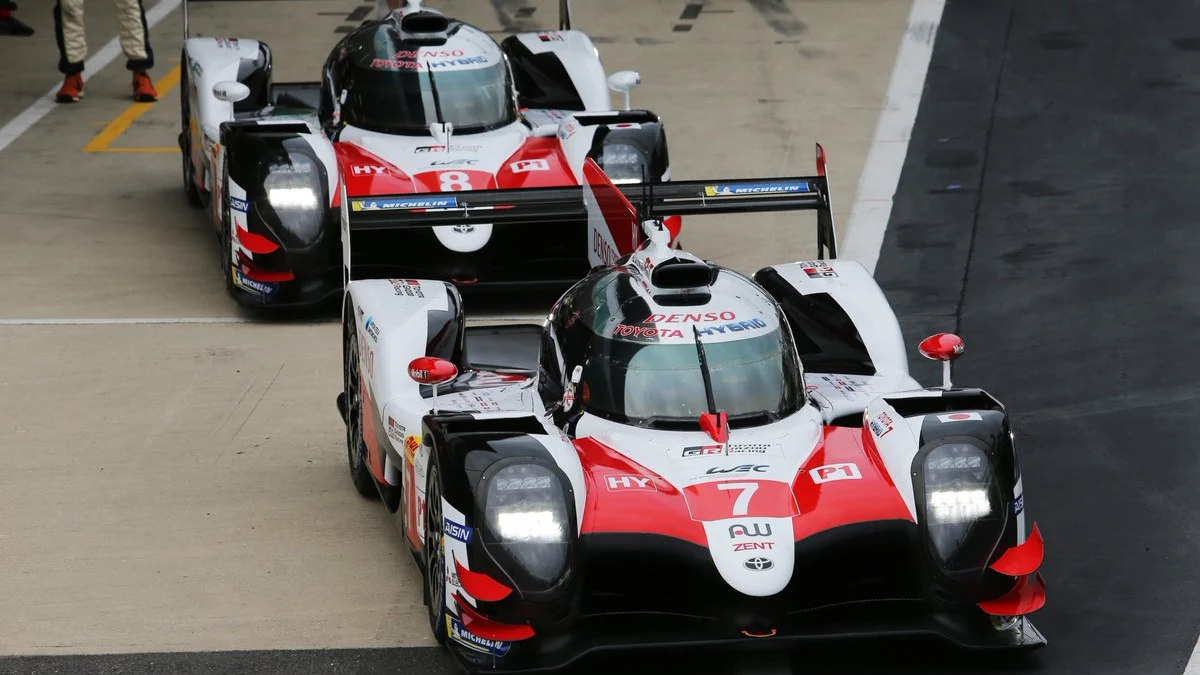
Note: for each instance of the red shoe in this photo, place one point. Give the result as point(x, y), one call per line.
point(72, 89)
point(143, 88)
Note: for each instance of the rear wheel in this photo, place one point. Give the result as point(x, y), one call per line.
point(435, 561)
point(356, 447)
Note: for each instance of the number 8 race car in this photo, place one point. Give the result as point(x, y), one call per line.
point(412, 104)
point(761, 438)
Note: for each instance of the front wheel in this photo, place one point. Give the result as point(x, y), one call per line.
point(356, 447)
point(435, 561)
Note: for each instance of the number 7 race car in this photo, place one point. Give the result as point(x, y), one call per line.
point(413, 104)
point(757, 443)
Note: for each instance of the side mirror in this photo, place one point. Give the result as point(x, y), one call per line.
point(944, 347)
point(623, 81)
point(432, 370)
point(231, 91)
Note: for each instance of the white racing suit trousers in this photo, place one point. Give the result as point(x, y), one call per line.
point(72, 45)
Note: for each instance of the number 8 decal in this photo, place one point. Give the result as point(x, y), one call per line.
point(454, 181)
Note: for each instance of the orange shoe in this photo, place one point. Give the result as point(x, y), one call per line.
point(143, 88)
point(71, 90)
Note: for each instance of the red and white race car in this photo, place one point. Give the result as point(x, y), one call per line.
point(412, 104)
point(681, 454)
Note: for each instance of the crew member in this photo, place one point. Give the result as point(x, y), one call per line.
point(72, 48)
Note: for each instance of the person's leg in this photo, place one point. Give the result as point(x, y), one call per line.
point(135, 42)
point(11, 25)
point(72, 48)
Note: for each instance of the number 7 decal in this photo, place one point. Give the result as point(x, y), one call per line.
point(741, 505)
point(741, 499)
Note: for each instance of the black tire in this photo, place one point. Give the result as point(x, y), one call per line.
point(435, 565)
point(356, 447)
point(194, 198)
point(225, 237)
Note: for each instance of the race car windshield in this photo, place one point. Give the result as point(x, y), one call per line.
point(754, 380)
point(401, 101)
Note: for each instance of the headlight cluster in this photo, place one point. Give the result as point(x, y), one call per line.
point(526, 516)
point(961, 503)
point(292, 187)
point(624, 163)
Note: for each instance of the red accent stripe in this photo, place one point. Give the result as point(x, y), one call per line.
point(1027, 597)
point(369, 432)
point(619, 214)
point(1024, 558)
point(842, 499)
point(487, 628)
point(259, 273)
point(626, 509)
point(255, 243)
point(480, 586)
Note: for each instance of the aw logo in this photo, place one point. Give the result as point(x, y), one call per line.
point(741, 530)
point(832, 472)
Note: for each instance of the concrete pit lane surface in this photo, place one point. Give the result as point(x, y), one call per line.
point(173, 483)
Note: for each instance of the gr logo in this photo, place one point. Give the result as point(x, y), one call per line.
point(751, 530)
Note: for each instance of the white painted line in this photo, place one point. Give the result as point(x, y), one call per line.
point(118, 321)
point(93, 64)
point(881, 172)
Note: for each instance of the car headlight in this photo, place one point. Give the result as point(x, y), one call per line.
point(961, 504)
point(292, 190)
point(525, 510)
point(623, 163)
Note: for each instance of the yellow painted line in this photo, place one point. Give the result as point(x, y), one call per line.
point(175, 149)
point(113, 131)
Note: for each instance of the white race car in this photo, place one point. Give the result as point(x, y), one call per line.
point(407, 105)
point(681, 454)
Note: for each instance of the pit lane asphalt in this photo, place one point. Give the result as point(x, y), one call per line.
point(181, 487)
point(1047, 212)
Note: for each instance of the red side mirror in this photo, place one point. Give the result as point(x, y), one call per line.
point(432, 370)
point(942, 347)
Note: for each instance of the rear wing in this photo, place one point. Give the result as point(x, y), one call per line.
point(530, 206)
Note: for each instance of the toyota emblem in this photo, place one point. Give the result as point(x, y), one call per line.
point(759, 564)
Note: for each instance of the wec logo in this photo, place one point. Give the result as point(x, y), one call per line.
point(744, 468)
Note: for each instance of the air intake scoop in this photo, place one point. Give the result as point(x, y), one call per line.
point(683, 274)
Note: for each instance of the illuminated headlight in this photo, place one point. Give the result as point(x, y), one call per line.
point(292, 198)
point(525, 510)
point(291, 184)
point(960, 497)
point(623, 163)
point(529, 526)
point(955, 506)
